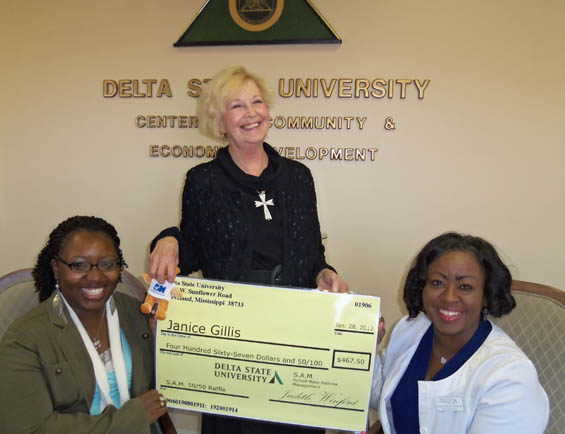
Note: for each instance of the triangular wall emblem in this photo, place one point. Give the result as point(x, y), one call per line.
point(242, 22)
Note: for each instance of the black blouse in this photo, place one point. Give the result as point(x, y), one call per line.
point(266, 243)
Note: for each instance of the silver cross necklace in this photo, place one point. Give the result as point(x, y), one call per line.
point(264, 203)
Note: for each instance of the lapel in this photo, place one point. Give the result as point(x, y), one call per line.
point(399, 355)
point(72, 348)
point(137, 334)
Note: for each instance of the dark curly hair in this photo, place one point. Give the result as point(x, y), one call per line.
point(498, 279)
point(43, 273)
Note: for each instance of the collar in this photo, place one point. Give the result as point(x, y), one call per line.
point(271, 179)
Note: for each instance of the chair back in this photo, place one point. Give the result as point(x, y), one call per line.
point(537, 325)
point(17, 296)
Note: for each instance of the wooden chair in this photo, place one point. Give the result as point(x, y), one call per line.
point(17, 296)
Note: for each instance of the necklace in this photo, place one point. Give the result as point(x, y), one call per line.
point(264, 202)
point(96, 340)
point(443, 360)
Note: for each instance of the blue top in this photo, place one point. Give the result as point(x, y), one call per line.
point(114, 391)
point(404, 400)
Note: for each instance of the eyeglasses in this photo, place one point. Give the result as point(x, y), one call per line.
point(85, 267)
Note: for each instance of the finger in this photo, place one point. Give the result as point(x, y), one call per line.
point(338, 284)
point(322, 284)
point(335, 283)
point(171, 272)
point(381, 330)
point(343, 286)
point(382, 327)
point(158, 267)
point(153, 264)
point(162, 271)
point(157, 410)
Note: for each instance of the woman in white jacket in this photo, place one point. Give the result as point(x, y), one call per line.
point(447, 368)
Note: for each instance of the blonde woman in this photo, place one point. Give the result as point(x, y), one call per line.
point(249, 215)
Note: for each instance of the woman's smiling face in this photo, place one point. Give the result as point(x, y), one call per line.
point(86, 292)
point(453, 296)
point(246, 120)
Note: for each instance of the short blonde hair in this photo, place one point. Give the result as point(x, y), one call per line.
point(211, 105)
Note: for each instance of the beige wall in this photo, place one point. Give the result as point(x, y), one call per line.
point(481, 153)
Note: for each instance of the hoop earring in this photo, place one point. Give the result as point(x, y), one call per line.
point(485, 314)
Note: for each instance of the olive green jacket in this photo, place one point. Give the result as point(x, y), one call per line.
point(47, 381)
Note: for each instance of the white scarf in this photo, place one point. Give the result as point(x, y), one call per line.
point(116, 350)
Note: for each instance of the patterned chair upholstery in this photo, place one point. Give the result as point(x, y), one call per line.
point(537, 325)
point(17, 296)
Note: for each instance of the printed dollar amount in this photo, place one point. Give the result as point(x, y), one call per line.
point(351, 360)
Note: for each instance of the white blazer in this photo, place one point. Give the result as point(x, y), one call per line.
point(496, 391)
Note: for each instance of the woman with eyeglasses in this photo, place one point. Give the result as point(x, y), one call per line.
point(82, 360)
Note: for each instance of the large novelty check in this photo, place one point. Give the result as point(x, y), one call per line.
point(278, 354)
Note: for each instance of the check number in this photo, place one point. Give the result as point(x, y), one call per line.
point(351, 360)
